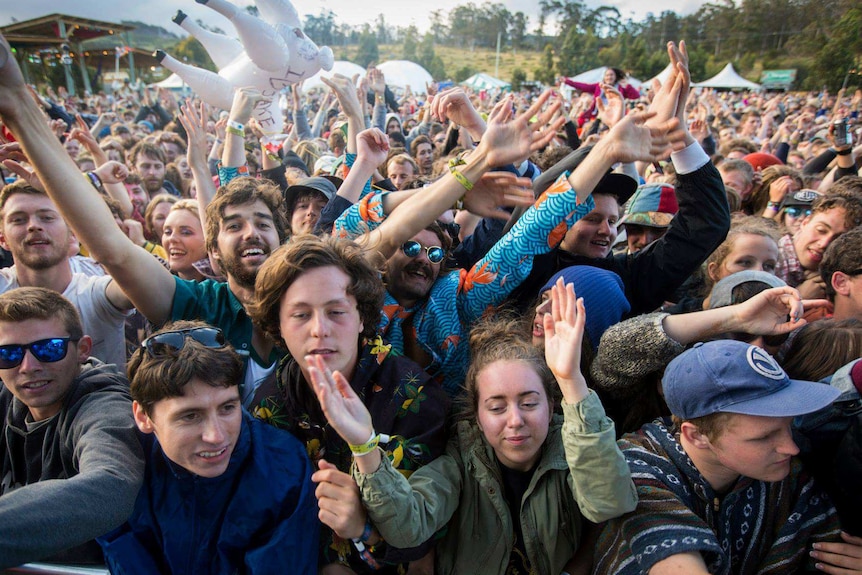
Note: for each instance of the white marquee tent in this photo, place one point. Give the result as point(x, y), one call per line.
point(482, 81)
point(728, 79)
point(342, 67)
point(402, 73)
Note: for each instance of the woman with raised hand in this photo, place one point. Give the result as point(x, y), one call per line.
point(516, 481)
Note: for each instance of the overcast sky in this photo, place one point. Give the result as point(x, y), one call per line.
point(159, 12)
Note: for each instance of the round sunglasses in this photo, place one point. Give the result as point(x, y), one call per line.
point(413, 248)
point(48, 350)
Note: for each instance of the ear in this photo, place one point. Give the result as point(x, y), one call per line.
point(142, 420)
point(3, 241)
point(841, 283)
point(693, 435)
point(712, 271)
point(85, 346)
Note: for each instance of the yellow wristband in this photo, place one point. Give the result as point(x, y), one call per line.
point(367, 447)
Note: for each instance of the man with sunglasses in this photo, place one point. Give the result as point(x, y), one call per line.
point(70, 460)
point(223, 492)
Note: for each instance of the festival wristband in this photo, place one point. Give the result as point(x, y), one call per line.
point(235, 128)
point(368, 446)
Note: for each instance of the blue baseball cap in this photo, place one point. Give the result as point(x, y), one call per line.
point(736, 377)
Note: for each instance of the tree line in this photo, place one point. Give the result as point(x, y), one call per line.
point(820, 38)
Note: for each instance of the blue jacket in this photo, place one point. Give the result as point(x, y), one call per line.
point(260, 516)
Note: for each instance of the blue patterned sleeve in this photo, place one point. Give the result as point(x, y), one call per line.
point(510, 260)
point(362, 217)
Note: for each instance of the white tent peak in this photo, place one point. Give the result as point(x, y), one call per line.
point(402, 73)
point(728, 78)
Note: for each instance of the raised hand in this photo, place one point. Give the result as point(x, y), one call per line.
point(510, 139)
point(772, 312)
point(564, 334)
point(112, 172)
point(496, 190)
point(614, 110)
point(634, 139)
point(13, 90)
point(343, 409)
point(195, 124)
point(454, 104)
point(377, 82)
point(244, 100)
point(345, 91)
point(780, 187)
point(372, 145)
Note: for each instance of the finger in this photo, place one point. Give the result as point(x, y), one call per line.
point(537, 105)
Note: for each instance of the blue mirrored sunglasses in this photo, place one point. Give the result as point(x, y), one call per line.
point(45, 350)
point(413, 248)
point(795, 212)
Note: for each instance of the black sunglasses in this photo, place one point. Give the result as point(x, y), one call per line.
point(413, 248)
point(45, 350)
point(172, 341)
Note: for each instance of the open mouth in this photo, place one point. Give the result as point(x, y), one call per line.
point(35, 385)
point(212, 454)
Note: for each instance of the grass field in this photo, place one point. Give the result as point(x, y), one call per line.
point(478, 60)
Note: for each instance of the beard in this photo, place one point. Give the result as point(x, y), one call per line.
point(233, 266)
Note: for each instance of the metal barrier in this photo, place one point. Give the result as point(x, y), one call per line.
point(49, 569)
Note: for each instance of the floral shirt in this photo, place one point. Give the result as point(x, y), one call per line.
point(405, 404)
point(442, 321)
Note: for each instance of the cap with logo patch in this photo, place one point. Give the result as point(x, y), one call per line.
point(736, 377)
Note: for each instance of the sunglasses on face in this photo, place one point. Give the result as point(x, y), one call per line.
point(797, 212)
point(412, 249)
point(172, 341)
point(45, 350)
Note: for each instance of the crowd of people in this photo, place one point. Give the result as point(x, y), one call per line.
point(593, 331)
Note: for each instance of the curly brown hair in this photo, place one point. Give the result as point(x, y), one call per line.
point(306, 252)
point(239, 192)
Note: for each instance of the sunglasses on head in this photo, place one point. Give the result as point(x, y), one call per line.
point(45, 350)
point(173, 341)
point(795, 212)
point(413, 248)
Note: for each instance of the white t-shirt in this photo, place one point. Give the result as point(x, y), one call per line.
point(102, 321)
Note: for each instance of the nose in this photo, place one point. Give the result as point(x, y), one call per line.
point(213, 431)
point(29, 363)
point(515, 419)
point(319, 326)
point(605, 228)
point(787, 446)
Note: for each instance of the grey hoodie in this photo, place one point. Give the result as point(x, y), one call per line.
point(72, 479)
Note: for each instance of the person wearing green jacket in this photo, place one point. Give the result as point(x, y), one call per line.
point(516, 482)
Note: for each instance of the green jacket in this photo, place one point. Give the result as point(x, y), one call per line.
point(581, 473)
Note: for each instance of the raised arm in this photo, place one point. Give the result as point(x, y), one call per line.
point(149, 285)
point(508, 139)
point(599, 476)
